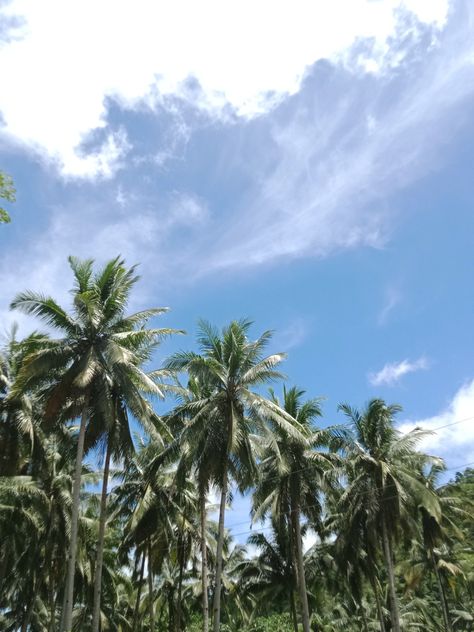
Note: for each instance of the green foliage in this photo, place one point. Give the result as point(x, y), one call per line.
point(7, 192)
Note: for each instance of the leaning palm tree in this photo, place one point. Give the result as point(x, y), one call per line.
point(385, 481)
point(294, 476)
point(230, 365)
point(94, 350)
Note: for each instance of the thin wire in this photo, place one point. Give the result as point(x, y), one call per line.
point(303, 469)
point(369, 491)
point(269, 528)
point(454, 423)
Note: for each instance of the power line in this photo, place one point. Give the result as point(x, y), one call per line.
point(270, 528)
point(453, 423)
point(450, 469)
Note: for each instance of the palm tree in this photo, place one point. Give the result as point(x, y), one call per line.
point(269, 577)
point(230, 365)
point(385, 480)
point(123, 393)
point(294, 474)
point(19, 412)
point(197, 459)
point(95, 349)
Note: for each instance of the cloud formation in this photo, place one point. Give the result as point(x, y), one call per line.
point(349, 142)
point(63, 63)
point(453, 429)
point(390, 374)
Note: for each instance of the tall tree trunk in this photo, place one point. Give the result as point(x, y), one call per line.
point(66, 621)
point(300, 564)
point(442, 594)
point(139, 594)
point(170, 613)
point(31, 605)
point(182, 559)
point(220, 546)
point(52, 611)
point(204, 571)
point(3, 566)
point(387, 548)
point(151, 605)
point(373, 583)
point(294, 616)
point(101, 541)
point(51, 592)
point(293, 566)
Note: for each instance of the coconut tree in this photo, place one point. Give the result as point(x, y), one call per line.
point(438, 531)
point(294, 474)
point(385, 481)
point(20, 412)
point(92, 350)
point(196, 460)
point(269, 577)
point(230, 365)
point(124, 392)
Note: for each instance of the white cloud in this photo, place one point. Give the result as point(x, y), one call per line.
point(187, 209)
point(137, 229)
point(390, 374)
point(340, 154)
point(67, 58)
point(453, 429)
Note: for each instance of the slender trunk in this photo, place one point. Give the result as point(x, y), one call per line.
point(387, 548)
point(139, 594)
point(373, 583)
point(204, 571)
point(3, 568)
point(170, 613)
point(442, 594)
point(294, 616)
point(292, 566)
point(27, 617)
point(66, 622)
point(31, 605)
point(300, 563)
point(220, 546)
point(180, 592)
point(51, 596)
point(151, 605)
point(52, 610)
point(101, 541)
point(182, 559)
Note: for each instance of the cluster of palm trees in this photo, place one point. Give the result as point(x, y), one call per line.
point(112, 516)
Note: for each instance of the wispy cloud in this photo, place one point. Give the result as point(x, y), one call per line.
point(292, 335)
point(391, 373)
point(137, 228)
point(55, 90)
point(393, 297)
point(346, 144)
point(452, 429)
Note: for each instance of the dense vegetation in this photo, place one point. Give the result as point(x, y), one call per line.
point(107, 519)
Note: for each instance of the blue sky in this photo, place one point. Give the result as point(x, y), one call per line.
point(308, 165)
